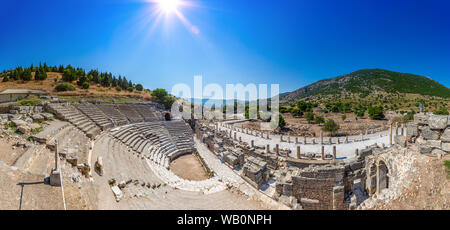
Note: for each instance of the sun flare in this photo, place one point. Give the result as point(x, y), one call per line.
point(169, 6)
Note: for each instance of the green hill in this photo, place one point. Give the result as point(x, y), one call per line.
point(369, 81)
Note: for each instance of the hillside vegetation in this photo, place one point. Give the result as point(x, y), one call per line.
point(69, 81)
point(370, 81)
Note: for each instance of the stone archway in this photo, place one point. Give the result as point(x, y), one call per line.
point(382, 176)
point(377, 174)
point(167, 117)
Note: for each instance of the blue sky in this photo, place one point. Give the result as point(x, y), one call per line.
point(289, 42)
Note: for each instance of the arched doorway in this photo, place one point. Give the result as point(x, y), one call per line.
point(382, 176)
point(167, 117)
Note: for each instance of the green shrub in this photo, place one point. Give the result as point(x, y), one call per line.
point(442, 111)
point(118, 88)
point(319, 120)
point(331, 126)
point(64, 87)
point(139, 87)
point(130, 89)
point(85, 85)
point(376, 113)
point(309, 116)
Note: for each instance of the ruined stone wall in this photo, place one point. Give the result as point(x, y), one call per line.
point(431, 132)
point(320, 188)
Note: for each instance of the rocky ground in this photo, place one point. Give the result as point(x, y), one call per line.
point(430, 190)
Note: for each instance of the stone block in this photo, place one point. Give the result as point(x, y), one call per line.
point(55, 178)
point(37, 117)
point(446, 135)
point(420, 119)
point(429, 134)
point(438, 121)
point(438, 152)
point(117, 193)
point(400, 140)
point(446, 147)
point(434, 144)
point(24, 129)
point(425, 149)
point(412, 130)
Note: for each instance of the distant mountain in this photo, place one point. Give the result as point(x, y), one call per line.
point(368, 81)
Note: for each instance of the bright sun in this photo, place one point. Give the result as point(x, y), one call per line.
point(169, 6)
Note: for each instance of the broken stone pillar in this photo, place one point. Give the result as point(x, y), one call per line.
point(304, 140)
point(346, 139)
point(356, 152)
point(334, 152)
point(240, 139)
point(56, 155)
point(235, 136)
point(396, 130)
point(277, 149)
point(281, 138)
point(253, 143)
point(321, 137)
point(268, 148)
point(362, 136)
point(329, 141)
point(390, 135)
point(323, 152)
point(402, 129)
point(296, 140)
point(298, 152)
point(268, 137)
point(338, 141)
point(314, 141)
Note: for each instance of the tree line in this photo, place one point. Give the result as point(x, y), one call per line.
point(70, 74)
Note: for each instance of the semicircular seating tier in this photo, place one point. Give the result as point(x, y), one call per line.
point(94, 118)
point(158, 141)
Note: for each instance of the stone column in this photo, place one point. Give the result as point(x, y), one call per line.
point(323, 152)
point(268, 137)
point(289, 139)
point(304, 140)
point(240, 139)
point(330, 141)
point(321, 137)
point(338, 141)
point(378, 179)
point(253, 143)
point(277, 149)
point(396, 129)
point(281, 138)
point(334, 152)
point(390, 135)
point(346, 139)
point(298, 152)
point(56, 155)
point(356, 152)
point(362, 136)
point(314, 141)
point(402, 130)
point(235, 136)
point(296, 140)
point(268, 148)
